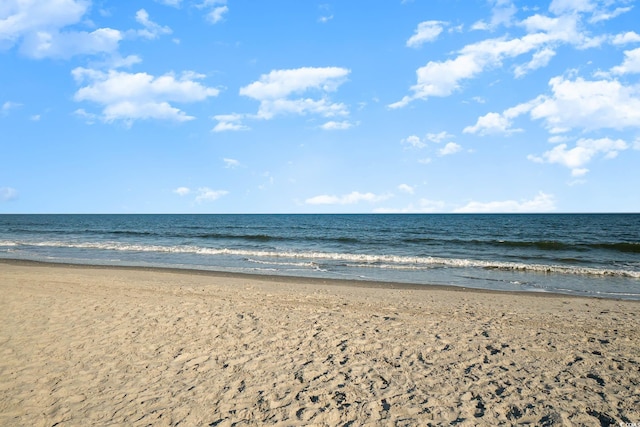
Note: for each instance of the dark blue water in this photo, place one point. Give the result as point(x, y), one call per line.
point(582, 254)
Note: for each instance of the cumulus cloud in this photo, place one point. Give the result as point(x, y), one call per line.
point(8, 194)
point(438, 137)
point(501, 14)
point(541, 203)
point(41, 29)
point(427, 31)
point(450, 148)
point(625, 38)
point(413, 141)
point(406, 188)
point(134, 96)
point(631, 63)
point(543, 35)
point(585, 150)
point(151, 29)
point(290, 92)
point(333, 125)
point(422, 206)
point(214, 10)
point(182, 191)
point(205, 194)
point(229, 122)
point(573, 104)
point(347, 199)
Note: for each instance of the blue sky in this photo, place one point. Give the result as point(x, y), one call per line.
point(213, 106)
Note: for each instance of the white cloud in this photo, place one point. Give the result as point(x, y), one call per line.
point(495, 123)
point(588, 105)
point(413, 141)
point(625, 38)
point(133, 96)
point(423, 206)
point(217, 14)
point(206, 194)
point(41, 30)
point(501, 14)
point(450, 148)
point(333, 125)
point(541, 203)
point(578, 157)
point(151, 29)
point(231, 163)
point(229, 122)
point(631, 63)
point(174, 3)
point(182, 191)
point(438, 137)
point(215, 10)
point(8, 106)
point(279, 92)
point(280, 84)
point(8, 194)
point(406, 188)
point(540, 59)
point(427, 31)
point(544, 35)
point(347, 199)
point(582, 104)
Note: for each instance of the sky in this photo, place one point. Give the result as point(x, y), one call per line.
point(299, 106)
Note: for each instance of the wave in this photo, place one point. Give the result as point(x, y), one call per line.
point(359, 260)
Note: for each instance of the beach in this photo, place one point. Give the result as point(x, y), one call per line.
point(84, 345)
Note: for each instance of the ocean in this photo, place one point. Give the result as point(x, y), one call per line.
point(579, 254)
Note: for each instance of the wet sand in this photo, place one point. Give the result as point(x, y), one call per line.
point(126, 346)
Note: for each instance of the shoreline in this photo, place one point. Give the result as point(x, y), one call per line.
point(135, 346)
point(357, 283)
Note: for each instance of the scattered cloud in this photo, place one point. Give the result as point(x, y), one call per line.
point(540, 59)
point(282, 92)
point(582, 104)
point(215, 10)
point(333, 125)
point(135, 96)
point(151, 29)
point(502, 13)
point(626, 38)
point(8, 106)
point(229, 122)
point(347, 199)
point(205, 194)
point(541, 203)
point(406, 188)
point(438, 137)
point(450, 148)
point(585, 150)
point(173, 3)
point(423, 206)
point(41, 29)
point(427, 31)
point(413, 141)
point(231, 163)
point(631, 63)
point(8, 194)
point(182, 191)
point(543, 35)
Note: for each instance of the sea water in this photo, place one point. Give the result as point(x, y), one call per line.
point(580, 254)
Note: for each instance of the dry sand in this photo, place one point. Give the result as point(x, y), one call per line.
point(114, 346)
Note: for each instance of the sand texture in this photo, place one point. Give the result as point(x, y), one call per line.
point(86, 346)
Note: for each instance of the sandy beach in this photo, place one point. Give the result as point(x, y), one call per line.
point(122, 346)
